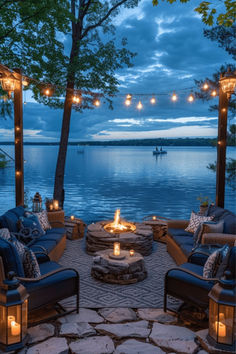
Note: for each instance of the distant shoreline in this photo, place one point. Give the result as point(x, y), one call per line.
point(133, 142)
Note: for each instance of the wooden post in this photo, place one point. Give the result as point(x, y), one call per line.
point(19, 157)
point(221, 148)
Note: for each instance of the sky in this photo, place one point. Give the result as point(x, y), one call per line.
point(171, 53)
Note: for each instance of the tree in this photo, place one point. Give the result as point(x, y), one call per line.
point(210, 12)
point(90, 66)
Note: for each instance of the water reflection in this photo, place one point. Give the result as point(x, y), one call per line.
point(130, 178)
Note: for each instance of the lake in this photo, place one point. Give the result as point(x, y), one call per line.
point(102, 179)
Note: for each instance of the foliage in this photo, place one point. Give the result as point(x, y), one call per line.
point(210, 12)
point(3, 161)
point(204, 200)
point(225, 36)
point(230, 171)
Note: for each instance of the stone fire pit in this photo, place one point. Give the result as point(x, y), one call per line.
point(98, 239)
point(124, 271)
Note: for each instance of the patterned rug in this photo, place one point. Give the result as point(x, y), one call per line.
point(96, 294)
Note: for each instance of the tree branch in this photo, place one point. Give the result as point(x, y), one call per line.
point(100, 22)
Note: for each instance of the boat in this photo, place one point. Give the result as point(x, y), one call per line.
point(155, 152)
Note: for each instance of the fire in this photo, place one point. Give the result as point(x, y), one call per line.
point(119, 225)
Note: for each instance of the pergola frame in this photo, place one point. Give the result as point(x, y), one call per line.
point(19, 156)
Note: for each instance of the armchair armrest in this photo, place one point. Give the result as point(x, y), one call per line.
point(177, 224)
point(187, 271)
point(35, 280)
point(218, 238)
point(57, 224)
point(40, 247)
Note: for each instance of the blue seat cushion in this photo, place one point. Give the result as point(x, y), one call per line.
point(188, 287)
point(48, 245)
point(52, 237)
point(53, 288)
point(56, 230)
point(179, 232)
point(183, 240)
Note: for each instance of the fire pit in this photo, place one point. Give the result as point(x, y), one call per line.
point(103, 234)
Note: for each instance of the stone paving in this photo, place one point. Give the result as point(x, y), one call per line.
point(114, 330)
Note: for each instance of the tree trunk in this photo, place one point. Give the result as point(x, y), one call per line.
point(61, 158)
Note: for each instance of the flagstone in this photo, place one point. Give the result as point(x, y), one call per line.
point(84, 315)
point(52, 346)
point(157, 315)
point(132, 346)
point(40, 332)
point(93, 345)
point(131, 329)
point(116, 315)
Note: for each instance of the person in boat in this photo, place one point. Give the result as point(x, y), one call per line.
point(157, 148)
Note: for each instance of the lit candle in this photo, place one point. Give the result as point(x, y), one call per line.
point(15, 328)
point(9, 320)
point(154, 217)
point(116, 251)
point(51, 207)
point(55, 204)
point(220, 329)
point(72, 217)
point(131, 253)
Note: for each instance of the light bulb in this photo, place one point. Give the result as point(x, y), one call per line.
point(127, 102)
point(97, 103)
point(191, 98)
point(47, 92)
point(128, 97)
point(213, 93)
point(174, 97)
point(139, 105)
point(205, 86)
point(153, 100)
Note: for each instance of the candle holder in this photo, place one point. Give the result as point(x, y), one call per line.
point(116, 252)
point(37, 203)
point(131, 253)
point(72, 217)
point(13, 314)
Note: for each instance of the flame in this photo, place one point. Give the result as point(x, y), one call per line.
point(118, 225)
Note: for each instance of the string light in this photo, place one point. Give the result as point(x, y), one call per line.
point(127, 102)
point(153, 100)
point(17, 129)
point(128, 97)
point(174, 97)
point(205, 86)
point(76, 99)
point(191, 97)
point(18, 173)
point(47, 92)
point(213, 93)
point(97, 102)
point(139, 105)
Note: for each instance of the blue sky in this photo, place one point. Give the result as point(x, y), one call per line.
point(171, 53)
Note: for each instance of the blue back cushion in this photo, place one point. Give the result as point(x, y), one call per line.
point(232, 262)
point(11, 259)
point(10, 218)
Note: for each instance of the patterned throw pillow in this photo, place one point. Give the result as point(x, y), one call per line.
point(42, 218)
point(5, 234)
point(31, 225)
point(195, 220)
point(214, 261)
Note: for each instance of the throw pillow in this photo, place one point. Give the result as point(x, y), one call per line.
point(31, 223)
point(195, 220)
point(208, 227)
point(225, 253)
point(42, 218)
point(212, 265)
point(5, 234)
point(28, 259)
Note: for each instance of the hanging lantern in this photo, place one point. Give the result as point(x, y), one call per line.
point(37, 203)
point(8, 83)
point(222, 314)
point(76, 99)
point(228, 83)
point(47, 90)
point(13, 314)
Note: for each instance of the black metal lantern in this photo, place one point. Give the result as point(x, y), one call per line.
point(222, 314)
point(37, 202)
point(13, 314)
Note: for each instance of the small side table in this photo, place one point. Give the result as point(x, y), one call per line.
point(56, 216)
point(159, 228)
point(74, 228)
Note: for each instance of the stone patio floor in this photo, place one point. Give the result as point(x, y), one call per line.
point(118, 331)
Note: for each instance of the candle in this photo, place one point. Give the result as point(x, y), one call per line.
point(131, 253)
point(51, 207)
point(15, 328)
point(9, 320)
point(154, 217)
point(55, 204)
point(116, 251)
point(220, 329)
point(72, 217)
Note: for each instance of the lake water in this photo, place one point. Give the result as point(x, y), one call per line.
point(130, 178)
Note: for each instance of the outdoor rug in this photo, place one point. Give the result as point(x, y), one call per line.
point(97, 294)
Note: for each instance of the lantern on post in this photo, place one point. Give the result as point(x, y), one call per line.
point(37, 203)
point(222, 314)
point(8, 83)
point(13, 314)
point(228, 83)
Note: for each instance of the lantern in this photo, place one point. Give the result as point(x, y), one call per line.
point(222, 314)
point(8, 83)
point(13, 314)
point(37, 202)
point(116, 250)
point(228, 83)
